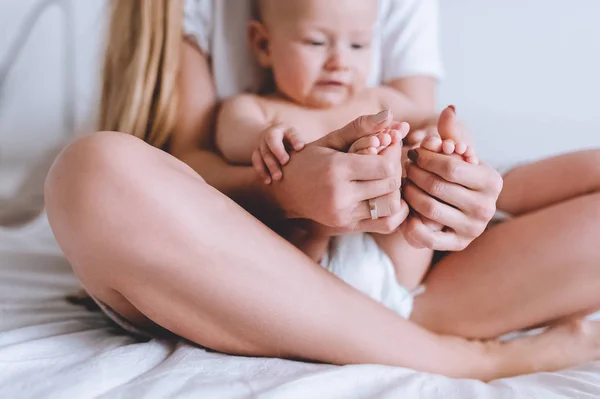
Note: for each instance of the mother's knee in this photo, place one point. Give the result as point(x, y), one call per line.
point(77, 170)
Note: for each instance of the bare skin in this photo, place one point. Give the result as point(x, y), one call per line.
point(147, 235)
point(183, 276)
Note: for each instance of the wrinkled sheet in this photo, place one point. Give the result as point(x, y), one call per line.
point(52, 349)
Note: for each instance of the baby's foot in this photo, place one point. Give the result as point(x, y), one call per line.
point(371, 145)
point(450, 147)
point(374, 144)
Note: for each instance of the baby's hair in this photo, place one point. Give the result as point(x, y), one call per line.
point(139, 90)
point(255, 10)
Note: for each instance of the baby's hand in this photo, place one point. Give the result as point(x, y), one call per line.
point(450, 147)
point(272, 154)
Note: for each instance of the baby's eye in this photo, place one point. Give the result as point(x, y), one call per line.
point(312, 42)
point(358, 46)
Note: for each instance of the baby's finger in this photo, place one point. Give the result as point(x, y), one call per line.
point(259, 166)
point(274, 141)
point(432, 144)
point(448, 146)
point(292, 137)
point(272, 165)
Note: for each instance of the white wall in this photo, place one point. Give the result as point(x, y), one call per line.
point(34, 100)
point(524, 74)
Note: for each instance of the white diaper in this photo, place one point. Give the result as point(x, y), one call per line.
point(358, 260)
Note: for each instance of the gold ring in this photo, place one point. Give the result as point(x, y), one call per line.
point(373, 209)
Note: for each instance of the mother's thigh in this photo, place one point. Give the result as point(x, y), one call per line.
point(530, 270)
point(549, 181)
point(147, 236)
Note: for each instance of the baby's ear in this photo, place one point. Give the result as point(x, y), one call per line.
point(258, 38)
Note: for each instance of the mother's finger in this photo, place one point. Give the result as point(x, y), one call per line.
point(364, 190)
point(441, 213)
point(420, 236)
point(387, 205)
point(384, 225)
point(468, 201)
point(374, 167)
point(476, 177)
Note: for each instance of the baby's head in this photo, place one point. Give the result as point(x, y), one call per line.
point(318, 51)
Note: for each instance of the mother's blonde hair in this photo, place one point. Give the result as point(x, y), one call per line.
point(139, 91)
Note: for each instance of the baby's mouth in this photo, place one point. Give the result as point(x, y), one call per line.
point(331, 84)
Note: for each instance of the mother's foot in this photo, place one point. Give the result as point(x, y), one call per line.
point(558, 347)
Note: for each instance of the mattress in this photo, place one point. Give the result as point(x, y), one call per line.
point(50, 348)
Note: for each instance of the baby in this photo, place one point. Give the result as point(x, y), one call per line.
point(319, 56)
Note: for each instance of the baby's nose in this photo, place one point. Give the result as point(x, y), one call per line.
point(338, 60)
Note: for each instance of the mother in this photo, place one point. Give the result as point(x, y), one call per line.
point(152, 239)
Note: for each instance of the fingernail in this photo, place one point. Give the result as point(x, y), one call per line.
point(453, 108)
point(413, 155)
point(380, 117)
point(267, 181)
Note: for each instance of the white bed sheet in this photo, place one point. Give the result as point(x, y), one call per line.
point(51, 349)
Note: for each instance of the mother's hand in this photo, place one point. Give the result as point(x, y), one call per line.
point(325, 184)
point(452, 192)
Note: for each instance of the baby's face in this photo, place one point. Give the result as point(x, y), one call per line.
point(319, 51)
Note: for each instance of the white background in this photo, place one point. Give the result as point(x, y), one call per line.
point(522, 73)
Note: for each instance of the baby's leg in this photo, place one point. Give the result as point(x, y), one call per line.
point(410, 264)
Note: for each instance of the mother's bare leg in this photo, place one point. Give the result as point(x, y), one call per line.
point(148, 237)
point(549, 181)
point(541, 266)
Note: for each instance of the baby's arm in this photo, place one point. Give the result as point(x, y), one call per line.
point(262, 143)
point(240, 124)
point(242, 132)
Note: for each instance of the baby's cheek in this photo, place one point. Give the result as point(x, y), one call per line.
point(294, 73)
point(362, 70)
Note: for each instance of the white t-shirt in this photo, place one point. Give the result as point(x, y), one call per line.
point(406, 41)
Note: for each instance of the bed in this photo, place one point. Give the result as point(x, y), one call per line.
point(50, 348)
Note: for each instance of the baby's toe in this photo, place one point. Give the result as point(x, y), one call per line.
point(448, 147)
point(432, 144)
point(461, 148)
